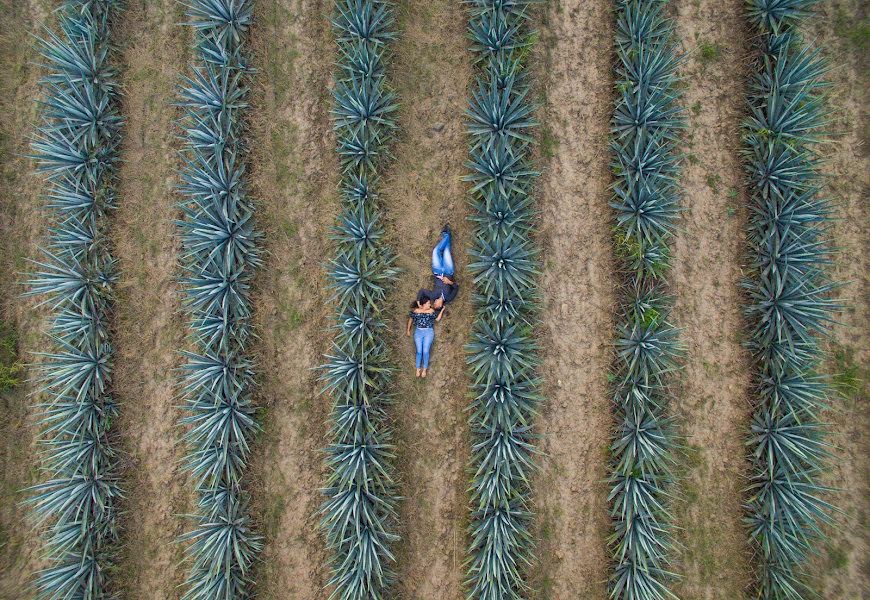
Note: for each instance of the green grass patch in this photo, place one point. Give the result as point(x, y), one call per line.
point(847, 378)
point(853, 31)
point(549, 143)
point(713, 181)
point(11, 369)
point(838, 558)
point(709, 52)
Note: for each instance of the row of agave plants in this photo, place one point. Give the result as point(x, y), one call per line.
point(359, 515)
point(76, 148)
point(502, 352)
point(790, 299)
point(645, 131)
point(218, 259)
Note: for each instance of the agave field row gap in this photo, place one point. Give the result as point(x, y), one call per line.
point(359, 515)
point(75, 504)
point(150, 327)
point(503, 352)
point(791, 302)
point(219, 255)
point(712, 397)
point(646, 130)
point(430, 71)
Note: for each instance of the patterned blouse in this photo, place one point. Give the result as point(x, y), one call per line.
point(423, 320)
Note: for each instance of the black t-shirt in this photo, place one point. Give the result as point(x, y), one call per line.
point(440, 289)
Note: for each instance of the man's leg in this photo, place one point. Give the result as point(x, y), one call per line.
point(442, 259)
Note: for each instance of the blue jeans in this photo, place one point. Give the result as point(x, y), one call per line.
point(423, 339)
point(442, 259)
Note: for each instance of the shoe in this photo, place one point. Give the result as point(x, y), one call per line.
point(446, 229)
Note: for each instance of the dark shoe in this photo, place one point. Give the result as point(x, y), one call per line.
point(446, 229)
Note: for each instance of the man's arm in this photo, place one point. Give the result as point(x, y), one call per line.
point(450, 292)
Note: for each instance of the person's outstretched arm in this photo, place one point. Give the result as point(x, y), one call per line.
point(440, 313)
point(410, 321)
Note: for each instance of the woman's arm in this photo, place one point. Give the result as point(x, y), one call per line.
point(440, 313)
point(410, 321)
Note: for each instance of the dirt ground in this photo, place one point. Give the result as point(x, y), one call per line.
point(423, 190)
point(294, 176)
point(574, 71)
point(295, 179)
point(21, 229)
point(843, 568)
point(712, 404)
point(153, 50)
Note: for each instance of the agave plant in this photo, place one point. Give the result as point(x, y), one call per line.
point(75, 147)
point(647, 119)
point(218, 260)
point(790, 303)
point(359, 513)
point(502, 353)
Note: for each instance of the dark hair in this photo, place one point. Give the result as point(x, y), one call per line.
point(420, 303)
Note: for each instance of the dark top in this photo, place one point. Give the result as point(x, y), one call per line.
point(423, 320)
point(439, 290)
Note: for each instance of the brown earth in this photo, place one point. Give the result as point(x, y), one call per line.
point(295, 179)
point(22, 227)
point(149, 328)
point(574, 71)
point(842, 570)
point(712, 405)
point(423, 190)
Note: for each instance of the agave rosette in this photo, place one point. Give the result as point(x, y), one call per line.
point(75, 505)
point(218, 259)
point(790, 302)
point(359, 516)
point(645, 129)
point(502, 353)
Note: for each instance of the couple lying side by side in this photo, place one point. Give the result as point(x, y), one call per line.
point(430, 305)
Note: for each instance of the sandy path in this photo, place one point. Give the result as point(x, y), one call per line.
point(578, 293)
point(22, 227)
point(295, 178)
point(842, 568)
point(430, 72)
point(713, 402)
point(149, 328)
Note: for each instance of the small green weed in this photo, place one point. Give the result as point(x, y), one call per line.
point(713, 182)
point(709, 52)
point(11, 368)
point(855, 32)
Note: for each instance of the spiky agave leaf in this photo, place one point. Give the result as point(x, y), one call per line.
point(76, 149)
point(645, 128)
point(220, 254)
point(790, 304)
point(502, 353)
point(359, 515)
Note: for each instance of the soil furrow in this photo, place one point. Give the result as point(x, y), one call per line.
point(712, 405)
point(149, 328)
point(578, 295)
point(840, 29)
point(431, 73)
point(295, 190)
point(22, 323)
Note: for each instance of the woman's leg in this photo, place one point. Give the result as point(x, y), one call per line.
point(428, 338)
point(418, 342)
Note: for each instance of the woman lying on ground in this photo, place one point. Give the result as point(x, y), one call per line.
point(423, 317)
